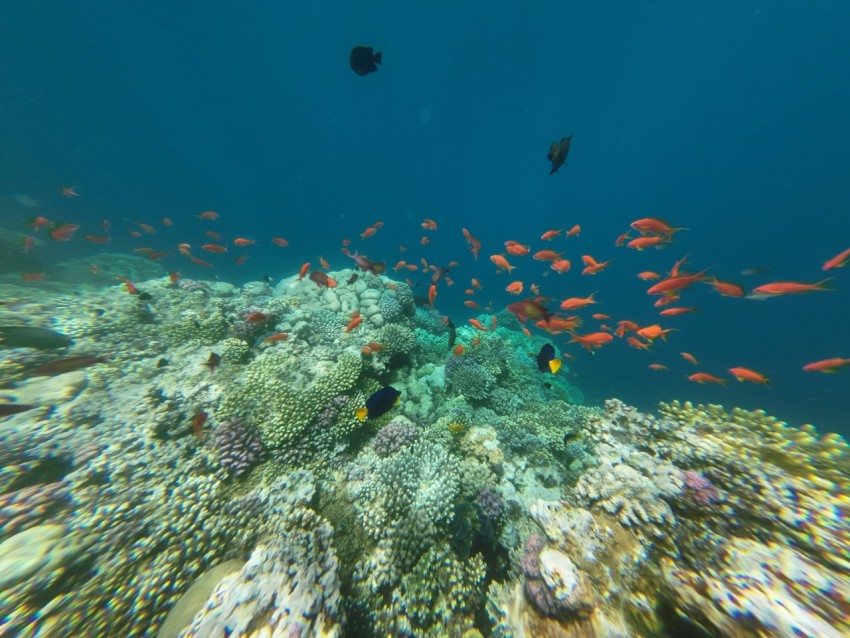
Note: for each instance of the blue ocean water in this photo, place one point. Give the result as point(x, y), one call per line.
point(726, 118)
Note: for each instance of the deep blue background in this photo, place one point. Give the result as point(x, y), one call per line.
point(728, 118)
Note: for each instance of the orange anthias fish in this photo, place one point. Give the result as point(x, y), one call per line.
point(278, 336)
point(557, 325)
point(626, 326)
point(208, 214)
point(214, 248)
point(515, 288)
point(40, 222)
point(200, 262)
point(574, 231)
point(726, 288)
point(654, 332)
point(150, 230)
point(704, 377)
point(355, 321)
point(636, 343)
point(501, 263)
point(240, 260)
point(198, 423)
point(673, 284)
point(280, 241)
point(787, 288)
point(477, 324)
point(305, 268)
point(70, 191)
point(641, 243)
point(324, 263)
point(648, 275)
point(458, 350)
point(401, 264)
point(429, 224)
point(167, 222)
point(561, 266)
point(547, 255)
point(574, 303)
point(184, 249)
point(470, 304)
point(592, 266)
point(657, 366)
point(241, 241)
point(212, 235)
point(745, 374)
point(130, 287)
point(517, 249)
point(476, 283)
point(839, 261)
point(689, 357)
point(424, 240)
point(673, 312)
point(97, 239)
point(828, 366)
point(368, 232)
point(257, 317)
point(432, 294)
point(549, 235)
point(592, 340)
point(63, 232)
point(654, 226)
point(622, 239)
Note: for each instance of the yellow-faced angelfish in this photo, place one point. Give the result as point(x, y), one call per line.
point(379, 403)
point(546, 359)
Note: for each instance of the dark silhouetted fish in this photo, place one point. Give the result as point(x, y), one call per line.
point(352, 279)
point(61, 366)
point(546, 359)
point(363, 61)
point(8, 409)
point(558, 153)
point(162, 363)
point(213, 362)
point(379, 403)
point(28, 337)
point(452, 333)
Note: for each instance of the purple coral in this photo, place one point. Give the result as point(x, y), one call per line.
point(395, 435)
point(191, 285)
point(535, 587)
point(329, 415)
point(491, 503)
point(240, 447)
point(700, 488)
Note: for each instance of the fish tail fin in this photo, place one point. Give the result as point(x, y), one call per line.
point(361, 413)
point(821, 285)
point(555, 365)
point(377, 58)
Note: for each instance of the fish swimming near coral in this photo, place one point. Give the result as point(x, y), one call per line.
point(452, 332)
point(546, 359)
point(213, 362)
point(363, 60)
point(61, 366)
point(558, 153)
point(30, 337)
point(8, 409)
point(379, 403)
point(352, 279)
point(366, 265)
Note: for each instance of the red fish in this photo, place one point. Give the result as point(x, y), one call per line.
point(636, 343)
point(641, 243)
point(33, 276)
point(673, 312)
point(839, 261)
point(156, 255)
point(174, 277)
point(429, 224)
point(594, 340)
point(547, 255)
point(673, 284)
point(368, 232)
point(167, 222)
point(592, 266)
point(516, 249)
point(689, 357)
point(304, 270)
point(278, 336)
point(130, 287)
point(40, 222)
point(257, 317)
point(146, 227)
point(184, 249)
point(241, 241)
point(515, 288)
point(787, 288)
point(212, 235)
point(654, 226)
point(324, 263)
point(477, 324)
point(208, 215)
point(648, 275)
point(828, 366)
point(214, 248)
point(704, 377)
point(654, 332)
point(432, 294)
point(574, 303)
point(745, 374)
point(198, 423)
point(574, 231)
point(241, 259)
point(549, 235)
point(458, 350)
point(97, 239)
point(561, 266)
point(657, 366)
point(502, 263)
point(70, 191)
point(622, 239)
point(356, 321)
point(470, 304)
point(201, 262)
point(280, 241)
point(726, 288)
point(135, 233)
point(63, 232)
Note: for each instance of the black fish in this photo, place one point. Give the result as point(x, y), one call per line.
point(8, 409)
point(558, 153)
point(267, 279)
point(352, 279)
point(379, 403)
point(145, 296)
point(162, 363)
point(28, 337)
point(363, 61)
point(61, 366)
point(452, 333)
point(213, 362)
point(571, 437)
point(546, 359)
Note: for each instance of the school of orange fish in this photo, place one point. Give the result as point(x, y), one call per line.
point(650, 232)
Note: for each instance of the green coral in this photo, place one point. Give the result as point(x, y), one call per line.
point(438, 597)
point(397, 339)
point(233, 350)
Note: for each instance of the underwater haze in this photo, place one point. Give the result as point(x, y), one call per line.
point(222, 241)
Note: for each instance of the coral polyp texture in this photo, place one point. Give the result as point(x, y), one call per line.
point(222, 470)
